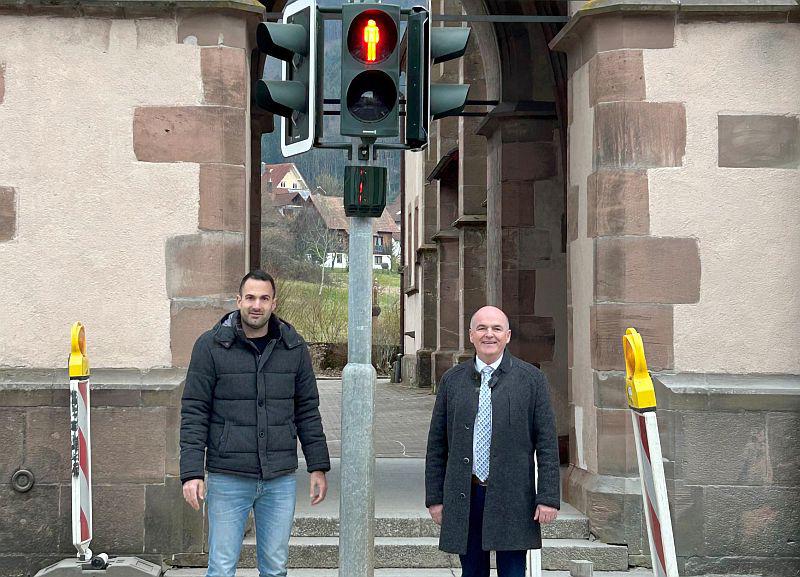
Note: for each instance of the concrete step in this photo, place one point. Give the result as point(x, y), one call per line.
point(201, 571)
point(567, 526)
point(421, 552)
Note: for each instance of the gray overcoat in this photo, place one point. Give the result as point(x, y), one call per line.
point(522, 424)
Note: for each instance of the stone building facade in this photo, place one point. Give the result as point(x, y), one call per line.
point(641, 168)
point(129, 159)
point(638, 164)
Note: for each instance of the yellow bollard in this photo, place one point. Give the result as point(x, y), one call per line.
point(78, 361)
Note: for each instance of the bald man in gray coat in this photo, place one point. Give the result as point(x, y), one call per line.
point(492, 416)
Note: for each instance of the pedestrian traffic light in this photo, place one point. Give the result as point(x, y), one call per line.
point(370, 70)
point(364, 190)
point(297, 97)
point(426, 101)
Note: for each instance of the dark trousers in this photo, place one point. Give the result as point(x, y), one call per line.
point(476, 562)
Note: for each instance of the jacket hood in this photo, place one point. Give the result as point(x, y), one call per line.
point(229, 328)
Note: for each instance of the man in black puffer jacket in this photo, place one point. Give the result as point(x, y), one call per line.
point(250, 393)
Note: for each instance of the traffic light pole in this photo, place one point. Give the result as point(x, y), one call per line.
point(357, 501)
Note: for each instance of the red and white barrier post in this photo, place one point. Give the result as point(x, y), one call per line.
point(642, 402)
point(79, 392)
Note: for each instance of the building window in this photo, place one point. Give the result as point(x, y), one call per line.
point(294, 185)
point(283, 184)
point(378, 240)
point(338, 258)
point(378, 260)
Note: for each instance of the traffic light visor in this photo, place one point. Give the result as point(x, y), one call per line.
point(372, 36)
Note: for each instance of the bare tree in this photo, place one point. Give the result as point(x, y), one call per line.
point(315, 240)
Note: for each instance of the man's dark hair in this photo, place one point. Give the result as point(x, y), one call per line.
point(258, 274)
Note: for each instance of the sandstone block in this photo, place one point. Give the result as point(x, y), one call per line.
point(534, 338)
point(212, 29)
point(223, 193)
point(188, 320)
point(647, 269)
point(617, 75)
point(783, 439)
point(618, 203)
point(517, 203)
point(572, 212)
point(205, 264)
point(688, 515)
point(12, 431)
point(609, 390)
point(170, 523)
point(616, 449)
point(528, 161)
point(190, 134)
point(714, 448)
point(608, 323)
point(225, 76)
point(47, 444)
point(759, 141)
point(752, 521)
point(118, 519)
point(128, 445)
point(639, 134)
point(8, 209)
point(29, 521)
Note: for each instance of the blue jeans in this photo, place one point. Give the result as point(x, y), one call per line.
point(476, 562)
point(230, 499)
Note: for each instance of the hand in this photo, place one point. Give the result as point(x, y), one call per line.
point(194, 490)
point(319, 487)
point(436, 513)
point(545, 514)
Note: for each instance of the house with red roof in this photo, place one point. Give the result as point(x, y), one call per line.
point(384, 231)
point(284, 187)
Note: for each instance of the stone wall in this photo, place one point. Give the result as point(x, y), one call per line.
point(732, 461)
point(124, 183)
point(124, 194)
point(678, 210)
point(138, 507)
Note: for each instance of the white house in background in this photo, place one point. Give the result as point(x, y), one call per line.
point(284, 187)
point(384, 229)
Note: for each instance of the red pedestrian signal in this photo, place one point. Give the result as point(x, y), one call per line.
point(372, 35)
point(370, 89)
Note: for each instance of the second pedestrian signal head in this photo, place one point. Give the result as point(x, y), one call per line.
point(370, 70)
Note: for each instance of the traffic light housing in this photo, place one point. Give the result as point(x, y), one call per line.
point(426, 101)
point(370, 91)
point(297, 98)
point(364, 190)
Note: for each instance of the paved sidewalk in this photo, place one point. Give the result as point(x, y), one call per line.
point(636, 572)
point(402, 417)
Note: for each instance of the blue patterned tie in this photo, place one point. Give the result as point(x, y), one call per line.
point(483, 426)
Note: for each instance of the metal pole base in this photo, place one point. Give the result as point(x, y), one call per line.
point(117, 567)
point(357, 497)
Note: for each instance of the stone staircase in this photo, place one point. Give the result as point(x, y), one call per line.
point(410, 541)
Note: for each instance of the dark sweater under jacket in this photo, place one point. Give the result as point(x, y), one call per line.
point(242, 412)
point(522, 425)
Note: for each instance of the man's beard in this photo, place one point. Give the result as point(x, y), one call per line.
point(265, 318)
